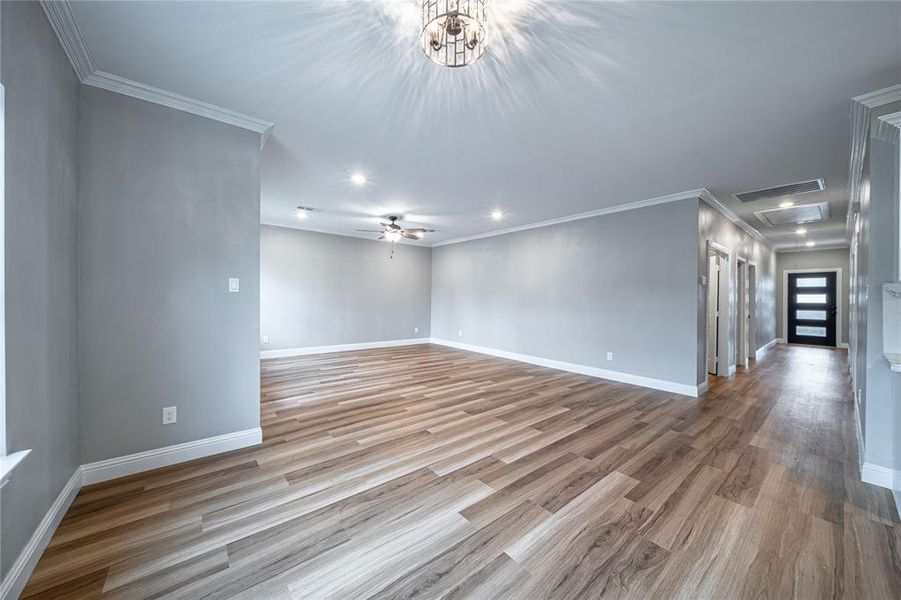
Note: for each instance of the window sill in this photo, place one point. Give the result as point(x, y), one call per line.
point(10, 462)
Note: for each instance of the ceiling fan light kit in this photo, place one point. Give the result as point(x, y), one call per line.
point(392, 231)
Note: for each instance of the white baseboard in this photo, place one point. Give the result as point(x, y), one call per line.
point(763, 349)
point(732, 369)
point(21, 570)
point(702, 388)
point(649, 382)
point(843, 345)
point(879, 475)
point(121, 466)
point(340, 348)
point(780, 340)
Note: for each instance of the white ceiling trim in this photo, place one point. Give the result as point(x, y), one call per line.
point(727, 212)
point(577, 217)
point(702, 193)
point(356, 236)
point(837, 246)
point(889, 127)
point(861, 107)
point(63, 22)
point(62, 19)
point(136, 89)
point(879, 97)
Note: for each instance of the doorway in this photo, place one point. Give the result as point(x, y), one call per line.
point(717, 310)
point(742, 314)
point(752, 311)
point(811, 308)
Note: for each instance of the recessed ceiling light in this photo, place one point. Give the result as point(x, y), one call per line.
point(303, 212)
point(497, 215)
point(800, 231)
point(810, 243)
point(358, 178)
point(786, 204)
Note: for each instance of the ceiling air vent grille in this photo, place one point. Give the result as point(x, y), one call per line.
point(792, 189)
point(804, 213)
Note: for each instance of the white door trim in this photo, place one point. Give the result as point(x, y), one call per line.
point(742, 329)
point(839, 342)
point(725, 366)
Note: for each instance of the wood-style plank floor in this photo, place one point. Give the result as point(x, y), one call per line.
point(428, 472)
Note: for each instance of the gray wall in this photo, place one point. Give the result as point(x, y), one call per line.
point(41, 191)
point(169, 209)
point(319, 289)
point(877, 257)
point(713, 226)
point(816, 259)
point(623, 283)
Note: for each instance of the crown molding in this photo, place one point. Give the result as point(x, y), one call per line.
point(702, 194)
point(142, 91)
point(577, 217)
point(879, 97)
point(889, 127)
point(62, 20)
point(357, 236)
point(817, 248)
point(861, 108)
point(718, 205)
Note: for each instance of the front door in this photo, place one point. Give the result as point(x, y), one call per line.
point(811, 308)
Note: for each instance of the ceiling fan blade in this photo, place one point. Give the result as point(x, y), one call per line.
point(412, 236)
point(372, 230)
point(416, 230)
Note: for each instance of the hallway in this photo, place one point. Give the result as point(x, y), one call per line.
point(441, 473)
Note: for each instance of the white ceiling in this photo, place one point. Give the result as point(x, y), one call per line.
point(576, 106)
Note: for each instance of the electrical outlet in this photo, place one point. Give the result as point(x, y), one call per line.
point(416, 330)
point(169, 415)
point(234, 285)
point(265, 339)
point(460, 333)
point(610, 356)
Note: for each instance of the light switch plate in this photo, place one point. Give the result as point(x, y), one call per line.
point(234, 285)
point(610, 356)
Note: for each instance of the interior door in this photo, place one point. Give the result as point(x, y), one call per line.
point(811, 308)
point(713, 289)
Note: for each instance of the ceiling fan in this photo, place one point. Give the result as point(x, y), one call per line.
point(393, 232)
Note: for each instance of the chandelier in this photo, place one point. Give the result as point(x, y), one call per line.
point(454, 32)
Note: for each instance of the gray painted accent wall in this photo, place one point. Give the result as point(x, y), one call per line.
point(168, 210)
point(320, 289)
point(622, 283)
point(713, 226)
point(40, 246)
point(816, 259)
